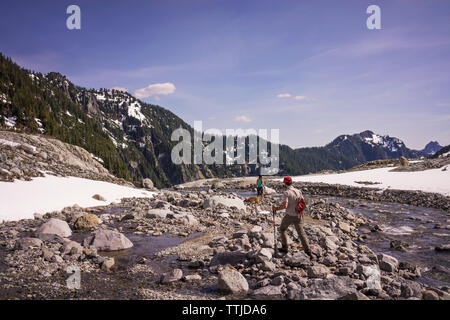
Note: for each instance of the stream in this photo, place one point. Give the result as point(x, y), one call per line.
point(419, 229)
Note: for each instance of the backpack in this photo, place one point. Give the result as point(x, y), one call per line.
point(301, 205)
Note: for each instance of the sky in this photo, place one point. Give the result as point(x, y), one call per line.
point(311, 69)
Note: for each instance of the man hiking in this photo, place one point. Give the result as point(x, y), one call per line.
point(260, 187)
point(291, 197)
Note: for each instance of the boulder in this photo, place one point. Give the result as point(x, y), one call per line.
point(269, 191)
point(411, 289)
point(71, 247)
point(231, 281)
point(387, 263)
point(98, 197)
point(147, 183)
point(331, 288)
point(268, 292)
point(158, 213)
point(108, 264)
point(318, 271)
point(107, 240)
point(403, 161)
point(264, 254)
point(328, 243)
point(299, 259)
point(344, 226)
point(26, 243)
point(268, 266)
point(56, 227)
point(213, 201)
point(233, 258)
point(172, 276)
point(86, 222)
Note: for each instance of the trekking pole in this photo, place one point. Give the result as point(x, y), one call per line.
point(274, 232)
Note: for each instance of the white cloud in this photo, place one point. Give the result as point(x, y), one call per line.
point(120, 89)
point(242, 119)
point(155, 90)
point(300, 97)
point(284, 95)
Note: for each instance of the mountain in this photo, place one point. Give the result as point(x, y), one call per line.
point(445, 151)
point(344, 152)
point(129, 137)
point(431, 148)
point(132, 139)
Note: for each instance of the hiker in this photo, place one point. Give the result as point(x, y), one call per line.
point(291, 197)
point(260, 187)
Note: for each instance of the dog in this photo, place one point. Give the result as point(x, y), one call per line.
point(254, 200)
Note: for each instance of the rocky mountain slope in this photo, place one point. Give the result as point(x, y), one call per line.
point(431, 148)
point(24, 156)
point(132, 138)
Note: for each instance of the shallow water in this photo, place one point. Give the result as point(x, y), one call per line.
point(412, 225)
point(145, 246)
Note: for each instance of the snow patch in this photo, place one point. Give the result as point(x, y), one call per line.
point(21, 199)
point(432, 180)
point(134, 110)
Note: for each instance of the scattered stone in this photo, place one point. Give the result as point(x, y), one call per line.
point(231, 281)
point(108, 240)
point(172, 276)
point(86, 222)
point(108, 264)
point(98, 197)
point(27, 243)
point(55, 226)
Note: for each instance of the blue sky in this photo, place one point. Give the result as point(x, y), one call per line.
point(310, 68)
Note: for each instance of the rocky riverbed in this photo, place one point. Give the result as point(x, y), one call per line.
point(202, 242)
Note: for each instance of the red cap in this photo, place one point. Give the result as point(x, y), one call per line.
point(287, 180)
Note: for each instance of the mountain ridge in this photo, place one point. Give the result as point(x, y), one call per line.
point(132, 137)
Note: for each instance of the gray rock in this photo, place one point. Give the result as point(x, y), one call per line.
point(331, 288)
point(98, 197)
point(318, 271)
point(411, 289)
point(329, 243)
point(299, 259)
point(172, 276)
point(107, 240)
point(192, 277)
point(55, 226)
point(232, 258)
point(213, 201)
point(72, 247)
point(27, 243)
point(147, 183)
point(387, 263)
point(158, 213)
point(47, 254)
point(268, 266)
point(264, 254)
point(268, 292)
point(108, 264)
point(355, 296)
point(231, 281)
